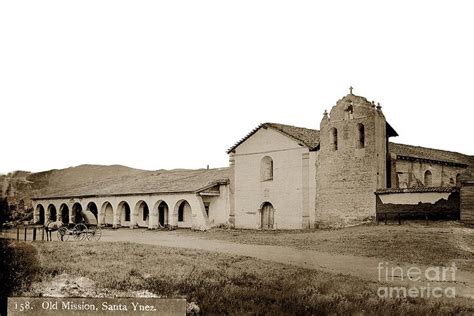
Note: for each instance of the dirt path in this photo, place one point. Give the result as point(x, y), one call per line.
point(359, 266)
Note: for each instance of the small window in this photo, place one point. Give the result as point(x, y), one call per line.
point(266, 172)
point(361, 134)
point(333, 138)
point(206, 207)
point(181, 212)
point(428, 180)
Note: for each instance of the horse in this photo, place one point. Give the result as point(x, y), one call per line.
point(52, 227)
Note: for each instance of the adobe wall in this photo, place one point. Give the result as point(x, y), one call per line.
point(347, 178)
point(288, 192)
point(218, 207)
point(411, 174)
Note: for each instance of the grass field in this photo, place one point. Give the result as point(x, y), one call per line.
point(439, 243)
point(220, 283)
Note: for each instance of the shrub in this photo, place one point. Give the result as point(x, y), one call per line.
point(19, 268)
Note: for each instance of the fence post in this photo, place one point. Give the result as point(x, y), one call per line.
point(42, 234)
point(18, 233)
point(25, 232)
point(34, 234)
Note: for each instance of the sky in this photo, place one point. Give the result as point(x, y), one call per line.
point(174, 84)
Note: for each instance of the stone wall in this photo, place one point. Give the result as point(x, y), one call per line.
point(347, 178)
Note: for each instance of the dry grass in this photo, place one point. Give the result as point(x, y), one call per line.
point(227, 284)
point(435, 244)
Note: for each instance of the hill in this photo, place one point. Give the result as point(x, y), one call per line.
point(18, 187)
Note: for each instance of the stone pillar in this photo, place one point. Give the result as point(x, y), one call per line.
point(116, 221)
point(134, 215)
point(72, 214)
point(305, 186)
point(231, 190)
point(100, 215)
point(153, 217)
point(46, 213)
point(200, 218)
point(173, 215)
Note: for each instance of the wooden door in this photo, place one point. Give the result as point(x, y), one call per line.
point(267, 218)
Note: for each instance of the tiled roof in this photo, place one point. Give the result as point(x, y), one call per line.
point(429, 154)
point(162, 181)
point(418, 190)
point(306, 136)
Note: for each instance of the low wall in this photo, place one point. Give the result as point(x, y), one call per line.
point(425, 203)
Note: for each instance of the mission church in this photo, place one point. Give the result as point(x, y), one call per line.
point(279, 177)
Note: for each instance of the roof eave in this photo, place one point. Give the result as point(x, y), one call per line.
point(391, 132)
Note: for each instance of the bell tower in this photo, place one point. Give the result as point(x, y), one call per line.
point(351, 162)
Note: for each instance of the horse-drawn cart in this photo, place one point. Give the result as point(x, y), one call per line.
point(79, 232)
point(87, 230)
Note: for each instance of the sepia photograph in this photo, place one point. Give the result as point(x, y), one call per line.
point(236, 157)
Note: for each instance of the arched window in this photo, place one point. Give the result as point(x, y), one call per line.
point(266, 169)
point(361, 134)
point(333, 138)
point(428, 182)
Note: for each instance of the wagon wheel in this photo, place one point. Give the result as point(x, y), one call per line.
point(94, 233)
point(79, 232)
point(63, 234)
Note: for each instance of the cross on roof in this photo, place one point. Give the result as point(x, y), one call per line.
point(350, 89)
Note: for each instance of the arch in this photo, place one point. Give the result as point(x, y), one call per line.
point(267, 216)
point(333, 138)
point(266, 168)
point(124, 213)
point(184, 213)
point(92, 207)
point(428, 178)
point(107, 214)
point(52, 213)
point(162, 210)
point(64, 211)
point(40, 212)
point(77, 213)
point(361, 135)
point(143, 214)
